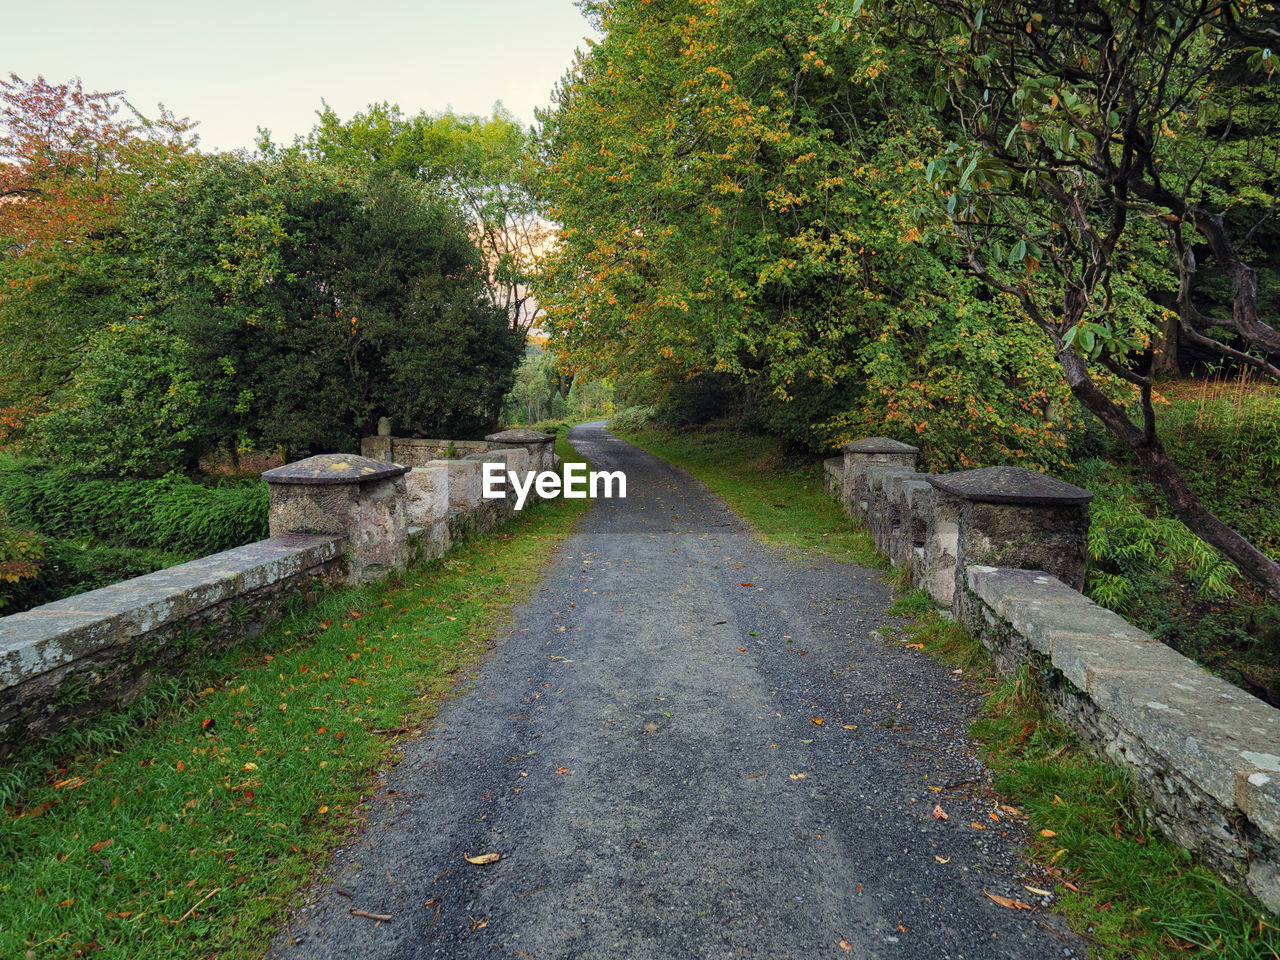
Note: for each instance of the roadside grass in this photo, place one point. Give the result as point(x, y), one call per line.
point(1139, 895)
point(1136, 894)
point(184, 827)
point(784, 500)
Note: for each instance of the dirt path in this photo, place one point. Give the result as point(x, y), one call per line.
point(641, 750)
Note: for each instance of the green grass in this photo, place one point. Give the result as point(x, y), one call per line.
point(784, 500)
point(1139, 895)
point(184, 827)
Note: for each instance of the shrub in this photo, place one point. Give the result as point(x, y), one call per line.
point(171, 513)
point(632, 418)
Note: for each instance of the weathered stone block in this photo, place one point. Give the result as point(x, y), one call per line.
point(464, 483)
point(942, 538)
point(427, 495)
point(356, 497)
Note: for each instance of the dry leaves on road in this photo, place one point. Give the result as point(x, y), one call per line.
point(939, 813)
point(1008, 903)
point(483, 858)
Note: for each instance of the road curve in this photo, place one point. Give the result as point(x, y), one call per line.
point(642, 748)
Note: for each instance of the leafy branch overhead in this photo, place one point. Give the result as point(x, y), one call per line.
point(1094, 140)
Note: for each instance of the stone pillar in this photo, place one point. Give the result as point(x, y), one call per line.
point(859, 455)
point(1014, 517)
point(343, 494)
point(379, 447)
point(541, 446)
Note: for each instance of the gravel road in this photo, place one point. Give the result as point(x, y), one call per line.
point(642, 749)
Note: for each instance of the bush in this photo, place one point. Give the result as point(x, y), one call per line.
point(633, 418)
point(132, 406)
point(171, 513)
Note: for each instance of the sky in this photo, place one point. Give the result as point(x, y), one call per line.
point(236, 65)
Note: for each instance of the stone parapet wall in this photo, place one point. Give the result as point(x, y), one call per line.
point(103, 648)
point(1204, 754)
point(334, 519)
point(418, 451)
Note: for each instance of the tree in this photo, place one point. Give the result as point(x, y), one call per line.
point(732, 180)
point(67, 159)
point(1095, 136)
point(480, 162)
point(277, 304)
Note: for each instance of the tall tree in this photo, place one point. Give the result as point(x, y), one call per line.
point(732, 190)
point(478, 161)
point(1096, 133)
point(67, 159)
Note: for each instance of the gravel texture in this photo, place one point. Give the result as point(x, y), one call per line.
point(640, 748)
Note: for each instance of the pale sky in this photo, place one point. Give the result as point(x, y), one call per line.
point(235, 65)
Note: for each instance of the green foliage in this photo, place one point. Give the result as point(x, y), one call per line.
point(171, 513)
point(21, 553)
point(1129, 539)
point(132, 405)
point(632, 419)
point(69, 567)
point(320, 299)
point(735, 183)
point(477, 162)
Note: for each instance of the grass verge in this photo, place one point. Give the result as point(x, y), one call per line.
point(184, 827)
point(1120, 882)
point(785, 500)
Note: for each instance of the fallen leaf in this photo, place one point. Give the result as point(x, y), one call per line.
point(817, 720)
point(322, 811)
point(846, 945)
point(1047, 833)
point(1009, 904)
point(1038, 892)
point(742, 649)
point(994, 817)
point(371, 916)
point(181, 766)
point(849, 726)
point(250, 766)
point(1056, 798)
point(1010, 810)
point(941, 859)
point(99, 845)
point(977, 826)
point(483, 858)
point(563, 770)
point(939, 813)
point(746, 584)
point(797, 776)
point(478, 924)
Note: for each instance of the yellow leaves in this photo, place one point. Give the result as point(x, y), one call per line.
point(1008, 903)
point(817, 720)
point(71, 783)
point(1048, 833)
point(250, 766)
point(941, 859)
point(321, 810)
point(483, 859)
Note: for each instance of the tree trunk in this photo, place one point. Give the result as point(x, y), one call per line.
point(1164, 349)
point(1150, 454)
